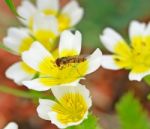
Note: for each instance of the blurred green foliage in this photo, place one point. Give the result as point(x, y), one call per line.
point(147, 79)
point(131, 113)
point(90, 123)
point(110, 13)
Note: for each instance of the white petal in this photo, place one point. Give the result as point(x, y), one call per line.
point(75, 83)
point(12, 44)
point(15, 37)
point(11, 125)
point(74, 11)
point(138, 76)
point(136, 29)
point(26, 10)
point(36, 85)
point(110, 38)
point(44, 108)
point(70, 41)
point(62, 90)
point(94, 61)
point(147, 31)
point(48, 4)
point(35, 55)
point(43, 22)
point(109, 63)
point(16, 73)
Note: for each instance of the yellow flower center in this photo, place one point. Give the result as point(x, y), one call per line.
point(27, 69)
point(47, 38)
point(65, 73)
point(134, 57)
point(70, 108)
point(50, 12)
point(25, 44)
point(64, 21)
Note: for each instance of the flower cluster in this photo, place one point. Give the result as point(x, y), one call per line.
point(51, 59)
point(45, 29)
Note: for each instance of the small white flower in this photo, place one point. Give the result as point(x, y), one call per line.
point(70, 108)
point(68, 67)
point(134, 56)
point(67, 17)
point(45, 30)
point(19, 40)
point(11, 125)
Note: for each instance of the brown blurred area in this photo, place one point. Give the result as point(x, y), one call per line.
point(106, 87)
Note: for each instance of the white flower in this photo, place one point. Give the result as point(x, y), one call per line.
point(11, 125)
point(70, 108)
point(45, 30)
point(134, 56)
point(67, 17)
point(19, 40)
point(68, 67)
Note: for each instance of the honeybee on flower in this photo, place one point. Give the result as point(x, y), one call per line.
point(134, 56)
point(70, 107)
point(67, 17)
point(51, 69)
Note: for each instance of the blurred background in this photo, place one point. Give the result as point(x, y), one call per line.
point(107, 87)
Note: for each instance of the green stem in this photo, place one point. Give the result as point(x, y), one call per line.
point(24, 94)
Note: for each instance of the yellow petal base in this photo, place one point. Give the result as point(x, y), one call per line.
point(135, 57)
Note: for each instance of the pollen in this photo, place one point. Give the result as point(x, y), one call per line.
point(70, 108)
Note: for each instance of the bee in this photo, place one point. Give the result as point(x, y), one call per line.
point(70, 59)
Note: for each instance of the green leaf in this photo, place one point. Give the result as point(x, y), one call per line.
point(89, 123)
point(147, 79)
point(131, 113)
point(12, 7)
point(110, 13)
point(148, 96)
